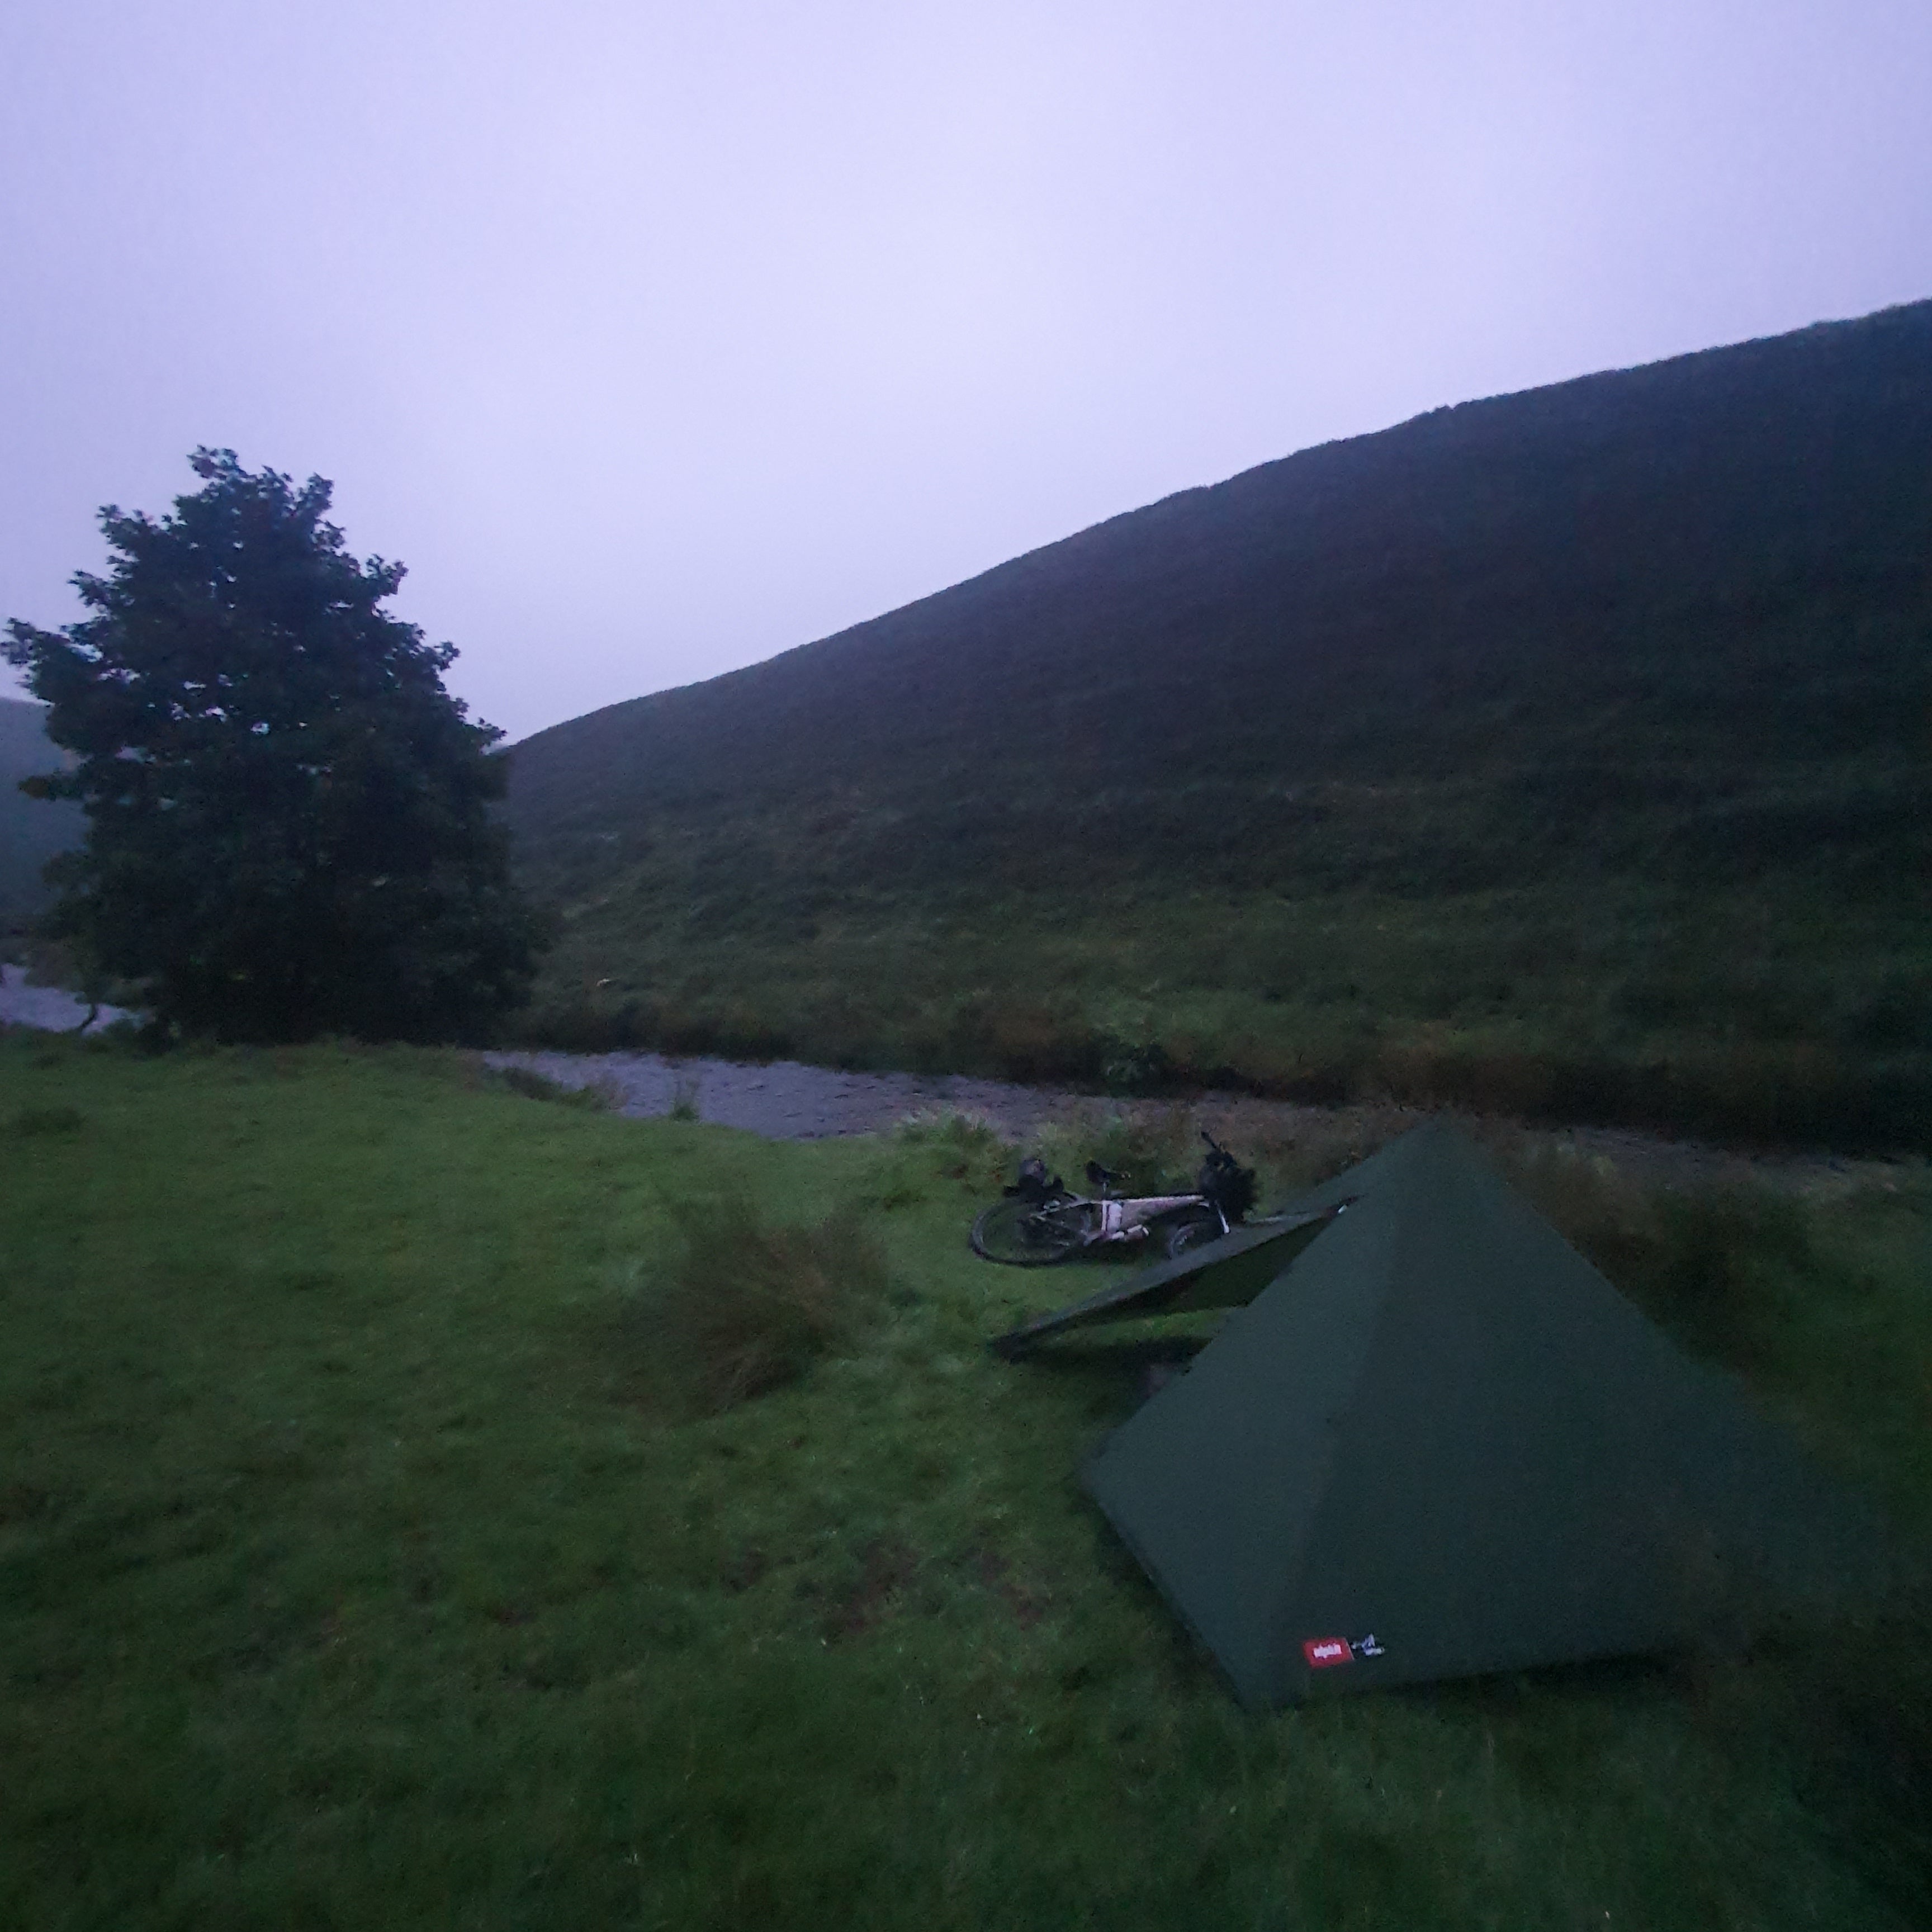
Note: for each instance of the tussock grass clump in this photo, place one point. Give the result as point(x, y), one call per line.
point(955, 1142)
point(595, 1098)
point(1323, 1143)
point(1716, 1263)
point(948, 1127)
point(934, 1149)
point(744, 1306)
point(1155, 1150)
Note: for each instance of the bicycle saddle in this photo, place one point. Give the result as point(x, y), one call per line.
point(1097, 1176)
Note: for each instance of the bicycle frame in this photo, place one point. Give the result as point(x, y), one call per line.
point(1132, 1220)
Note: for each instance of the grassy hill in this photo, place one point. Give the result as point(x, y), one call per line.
point(32, 830)
point(1566, 750)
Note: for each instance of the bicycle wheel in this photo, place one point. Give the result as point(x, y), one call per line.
point(1195, 1231)
point(1024, 1235)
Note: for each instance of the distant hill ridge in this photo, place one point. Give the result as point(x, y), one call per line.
point(1587, 725)
point(1512, 534)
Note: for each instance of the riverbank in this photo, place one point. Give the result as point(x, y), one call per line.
point(51, 1009)
point(789, 1100)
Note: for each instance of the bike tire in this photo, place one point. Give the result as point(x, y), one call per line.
point(1191, 1232)
point(1022, 1234)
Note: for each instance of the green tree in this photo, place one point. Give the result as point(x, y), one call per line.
point(289, 824)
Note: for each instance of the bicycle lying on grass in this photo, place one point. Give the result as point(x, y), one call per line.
point(1040, 1221)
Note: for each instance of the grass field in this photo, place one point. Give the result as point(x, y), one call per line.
point(374, 1552)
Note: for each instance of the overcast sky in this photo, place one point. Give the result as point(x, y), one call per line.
point(656, 338)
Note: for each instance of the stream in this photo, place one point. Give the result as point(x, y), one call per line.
point(784, 1099)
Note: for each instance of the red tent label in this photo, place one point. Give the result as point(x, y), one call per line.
point(1321, 1651)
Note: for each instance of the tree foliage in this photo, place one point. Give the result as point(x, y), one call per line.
point(289, 823)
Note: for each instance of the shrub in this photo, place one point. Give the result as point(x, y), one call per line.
point(741, 1307)
point(941, 1144)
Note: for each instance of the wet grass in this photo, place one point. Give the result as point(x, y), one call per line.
point(356, 1569)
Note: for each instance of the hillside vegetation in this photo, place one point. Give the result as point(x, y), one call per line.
point(372, 1555)
point(1567, 751)
point(32, 830)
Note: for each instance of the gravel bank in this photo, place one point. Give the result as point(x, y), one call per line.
point(785, 1100)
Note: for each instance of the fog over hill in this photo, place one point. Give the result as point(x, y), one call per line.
point(1608, 705)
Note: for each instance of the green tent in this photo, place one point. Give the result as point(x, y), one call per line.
point(1221, 1273)
point(1441, 1444)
